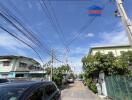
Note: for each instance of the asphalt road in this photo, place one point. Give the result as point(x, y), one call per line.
point(78, 91)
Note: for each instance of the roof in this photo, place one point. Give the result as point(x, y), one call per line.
point(111, 46)
point(17, 57)
point(25, 84)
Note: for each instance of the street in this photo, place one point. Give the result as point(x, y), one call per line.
point(78, 91)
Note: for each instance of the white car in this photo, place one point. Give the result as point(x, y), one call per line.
point(70, 80)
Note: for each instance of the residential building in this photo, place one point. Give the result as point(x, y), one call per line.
point(116, 50)
point(17, 66)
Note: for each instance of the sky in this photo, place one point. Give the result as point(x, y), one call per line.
point(74, 28)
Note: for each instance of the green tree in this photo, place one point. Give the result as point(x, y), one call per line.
point(107, 63)
point(59, 72)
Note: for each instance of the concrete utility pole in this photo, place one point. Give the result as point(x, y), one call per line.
point(127, 23)
point(52, 62)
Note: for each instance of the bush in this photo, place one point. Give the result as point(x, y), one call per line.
point(57, 80)
point(91, 85)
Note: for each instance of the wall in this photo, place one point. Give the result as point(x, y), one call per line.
point(27, 61)
point(14, 68)
point(116, 51)
point(6, 68)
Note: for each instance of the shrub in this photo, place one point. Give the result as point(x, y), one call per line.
point(91, 85)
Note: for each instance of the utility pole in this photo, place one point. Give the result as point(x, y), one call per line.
point(127, 23)
point(52, 62)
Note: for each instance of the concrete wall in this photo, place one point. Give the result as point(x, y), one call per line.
point(14, 67)
point(116, 51)
point(6, 68)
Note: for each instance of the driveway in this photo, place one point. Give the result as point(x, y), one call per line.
point(78, 91)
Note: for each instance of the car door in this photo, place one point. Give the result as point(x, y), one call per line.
point(37, 95)
point(50, 92)
point(56, 96)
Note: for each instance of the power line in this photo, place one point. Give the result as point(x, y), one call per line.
point(44, 44)
point(58, 24)
point(85, 26)
point(29, 31)
point(8, 20)
point(30, 35)
point(81, 30)
point(46, 10)
point(22, 42)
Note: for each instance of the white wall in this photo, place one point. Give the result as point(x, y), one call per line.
point(116, 51)
point(6, 68)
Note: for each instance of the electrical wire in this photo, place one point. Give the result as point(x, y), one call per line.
point(46, 11)
point(22, 42)
point(29, 33)
point(86, 25)
point(18, 28)
point(58, 25)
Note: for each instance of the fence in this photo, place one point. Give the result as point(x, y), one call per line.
point(119, 87)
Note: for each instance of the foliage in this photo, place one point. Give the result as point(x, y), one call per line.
point(58, 73)
point(107, 63)
point(91, 85)
point(65, 69)
point(81, 76)
point(57, 77)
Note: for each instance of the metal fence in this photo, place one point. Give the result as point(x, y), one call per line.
point(119, 87)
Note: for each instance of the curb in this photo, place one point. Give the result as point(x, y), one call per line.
point(104, 97)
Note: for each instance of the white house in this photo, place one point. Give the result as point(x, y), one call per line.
point(116, 50)
point(17, 66)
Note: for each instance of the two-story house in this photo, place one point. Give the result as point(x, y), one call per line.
point(116, 50)
point(17, 66)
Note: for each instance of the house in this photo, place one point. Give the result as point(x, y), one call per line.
point(17, 66)
point(116, 50)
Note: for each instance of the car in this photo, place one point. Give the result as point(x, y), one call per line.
point(2, 80)
point(70, 80)
point(29, 90)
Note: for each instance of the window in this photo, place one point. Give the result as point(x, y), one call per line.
point(22, 64)
point(49, 90)
point(6, 63)
point(37, 95)
point(11, 93)
point(19, 75)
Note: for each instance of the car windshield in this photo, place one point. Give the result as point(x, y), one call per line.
point(10, 93)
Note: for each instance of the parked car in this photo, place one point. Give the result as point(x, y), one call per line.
point(29, 90)
point(70, 80)
point(3, 80)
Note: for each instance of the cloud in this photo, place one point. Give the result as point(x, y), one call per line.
point(10, 43)
point(79, 51)
point(112, 38)
point(89, 35)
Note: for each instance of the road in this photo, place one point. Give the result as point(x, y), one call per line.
point(78, 91)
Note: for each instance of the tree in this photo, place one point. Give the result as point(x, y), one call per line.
point(107, 63)
point(58, 73)
point(65, 69)
point(48, 70)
